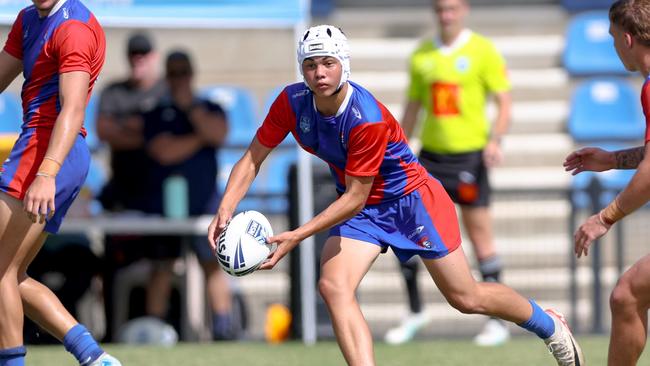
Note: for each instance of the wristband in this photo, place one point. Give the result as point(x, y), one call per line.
point(50, 167)
point(42, 174)
point(612, 213)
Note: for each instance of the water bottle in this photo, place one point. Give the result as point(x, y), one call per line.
point(175, 197)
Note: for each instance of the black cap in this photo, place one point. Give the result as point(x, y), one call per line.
point(139, 44)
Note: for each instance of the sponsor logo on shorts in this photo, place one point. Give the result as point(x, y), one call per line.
point(416, 232)
point(418, 238)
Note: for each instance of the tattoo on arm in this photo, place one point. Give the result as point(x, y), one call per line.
point(629, 158)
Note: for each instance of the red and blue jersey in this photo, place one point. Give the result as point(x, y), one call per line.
point(68, 39)
point(645, 103)
point(362, 140)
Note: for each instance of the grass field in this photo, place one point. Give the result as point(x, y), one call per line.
point(526, 351)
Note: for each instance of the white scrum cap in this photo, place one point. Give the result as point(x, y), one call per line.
point(325, 40)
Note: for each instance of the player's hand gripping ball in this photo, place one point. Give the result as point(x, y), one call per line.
point(242, 245)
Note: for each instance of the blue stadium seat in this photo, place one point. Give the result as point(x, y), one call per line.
point(241, 111)
point(582, 5)
point(589, 47)
point(270, 98)
point(227, 158)
point(11, 113)
point(606, 109)
point(268, 194)
point(90, 122)
point(274, 176)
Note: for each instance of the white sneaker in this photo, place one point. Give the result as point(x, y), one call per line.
point(407, 328)
point(106, 360)
point(494, 333)
point(562, 345)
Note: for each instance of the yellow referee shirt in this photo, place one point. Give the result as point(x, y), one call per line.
point(452, 83)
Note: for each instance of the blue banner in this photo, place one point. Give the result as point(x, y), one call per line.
point(184, 13)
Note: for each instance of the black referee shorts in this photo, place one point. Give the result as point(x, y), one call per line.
point(464, 176)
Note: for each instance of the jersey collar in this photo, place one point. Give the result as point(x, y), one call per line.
point(459, 42)
point(56, 7)
point(343, 105)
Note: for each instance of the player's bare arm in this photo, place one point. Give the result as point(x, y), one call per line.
point(10, 67)
point(589, 159)
point(241, 177)
point(39, 199)
point(349, 204)
point(629, 158)
point(635, 195)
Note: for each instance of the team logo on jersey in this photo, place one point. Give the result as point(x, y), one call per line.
point(65, 13)
point(356, 112)
point(300, 93)
point(305, 124)
point(462, 64)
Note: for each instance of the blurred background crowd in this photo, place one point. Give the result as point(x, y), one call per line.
point(176, 105)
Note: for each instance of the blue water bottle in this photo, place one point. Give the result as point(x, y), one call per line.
point(175, 197)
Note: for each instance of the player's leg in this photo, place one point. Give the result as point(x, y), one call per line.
point(344, 262)
point(452, 275)
point(42, 306)
point(39, 302)
point(629, 305)
point(17, 235)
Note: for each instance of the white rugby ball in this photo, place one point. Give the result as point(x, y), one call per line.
point(242, 245)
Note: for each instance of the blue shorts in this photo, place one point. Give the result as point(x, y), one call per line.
point(19, 170)
point(421, 223)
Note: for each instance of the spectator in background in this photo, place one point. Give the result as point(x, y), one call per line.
point(119, 124)
point(182, 135)
point(451, 78)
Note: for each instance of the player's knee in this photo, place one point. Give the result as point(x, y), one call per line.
point(465, 303)
point(622, 296)
point(332, 289)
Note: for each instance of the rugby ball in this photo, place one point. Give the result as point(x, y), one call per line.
point(242, 245)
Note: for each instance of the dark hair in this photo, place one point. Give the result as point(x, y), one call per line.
point(633, 17)
point(139, 43)
point(180, 57)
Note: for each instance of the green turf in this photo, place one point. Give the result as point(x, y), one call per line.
point(521, 351)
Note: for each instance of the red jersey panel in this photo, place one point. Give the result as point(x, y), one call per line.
point(68, 39)
point(645, 103)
